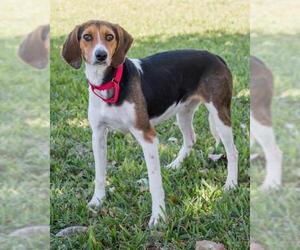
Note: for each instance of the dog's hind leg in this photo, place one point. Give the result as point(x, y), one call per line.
point(185, 123)
point(213, 130)
point(221, 118)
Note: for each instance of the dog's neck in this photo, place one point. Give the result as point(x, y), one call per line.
point(95, 73)
point(98, 74)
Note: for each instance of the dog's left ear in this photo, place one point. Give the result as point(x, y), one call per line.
point(124, 42)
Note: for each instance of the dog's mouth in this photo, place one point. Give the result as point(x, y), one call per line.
point(100, 63)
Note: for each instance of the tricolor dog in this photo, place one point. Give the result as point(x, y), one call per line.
point(134, 95)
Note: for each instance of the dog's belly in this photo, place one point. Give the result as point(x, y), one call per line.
point(171, 111)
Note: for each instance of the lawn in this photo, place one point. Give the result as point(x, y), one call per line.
point(197, 206)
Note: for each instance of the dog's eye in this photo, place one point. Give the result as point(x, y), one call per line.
point(109, 37)
point(87, 37)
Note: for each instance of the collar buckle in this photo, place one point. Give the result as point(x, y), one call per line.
point(115, 81)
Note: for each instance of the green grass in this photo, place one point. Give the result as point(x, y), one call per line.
point(24, 129)
point(197, 206)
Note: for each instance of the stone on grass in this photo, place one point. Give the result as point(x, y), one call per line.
point(69, 231)
point(215, 157)
point(256, 246)
point(209, 245)
point(30, 231)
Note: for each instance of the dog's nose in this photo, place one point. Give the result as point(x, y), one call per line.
point(100, 55)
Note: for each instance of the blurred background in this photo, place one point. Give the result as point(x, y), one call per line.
point(24, 125)
point(275, 34)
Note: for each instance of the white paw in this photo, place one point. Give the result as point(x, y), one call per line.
point(175, 164)
point(270, 185)
point(95, 202)
point(230, 185)
point(155, 219)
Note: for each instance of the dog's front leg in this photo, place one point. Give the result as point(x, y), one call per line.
point(100, 151)
point(150, 149)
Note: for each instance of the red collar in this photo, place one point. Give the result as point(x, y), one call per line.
point(113, 84)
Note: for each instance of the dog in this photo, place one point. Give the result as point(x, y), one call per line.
point(34, 49)
point(261, 92)
point(134, 95)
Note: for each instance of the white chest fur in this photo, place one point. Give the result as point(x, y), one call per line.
point(118, 117)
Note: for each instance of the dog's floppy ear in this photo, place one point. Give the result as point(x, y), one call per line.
point(33, 49)
point(45, 32)
point(124, 42)
point(71, 51)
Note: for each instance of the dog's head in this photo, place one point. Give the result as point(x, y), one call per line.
point(98, 43)
point(34, 50)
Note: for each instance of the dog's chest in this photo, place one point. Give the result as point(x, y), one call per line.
point(117, 117)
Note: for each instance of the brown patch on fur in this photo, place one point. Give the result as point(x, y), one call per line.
point(76, 47)
point(196, 98)
point(150, 134)
point(261, 91)
point(142, 121)
point(216, 87)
